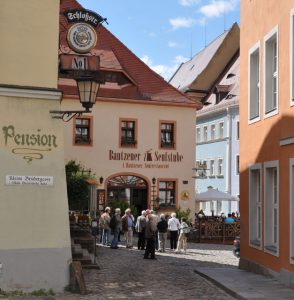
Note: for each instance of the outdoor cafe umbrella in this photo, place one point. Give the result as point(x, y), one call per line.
point(214, 195)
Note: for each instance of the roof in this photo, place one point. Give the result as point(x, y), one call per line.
point(228, 83)
point(141, 83)
point(200, 73)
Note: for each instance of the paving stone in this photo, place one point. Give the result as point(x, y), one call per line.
point(124, 274)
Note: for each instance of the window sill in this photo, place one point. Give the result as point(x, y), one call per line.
point(255, 243)
point(271, 248)
point(211, 176)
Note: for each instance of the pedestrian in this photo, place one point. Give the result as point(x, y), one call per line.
point(162, 232)
point(127, 223)
point(184, 230)
point(140, 228)
point(116, 228)
point(150, 237)
point(173, 227)
point(155, 220)
point(104, 225)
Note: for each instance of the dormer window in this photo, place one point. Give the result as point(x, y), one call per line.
point(221, 92)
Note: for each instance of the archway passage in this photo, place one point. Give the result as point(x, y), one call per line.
point(129, 188)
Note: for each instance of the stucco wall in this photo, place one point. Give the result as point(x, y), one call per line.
point(260, 141)
point(28, 31)
point(106, 116)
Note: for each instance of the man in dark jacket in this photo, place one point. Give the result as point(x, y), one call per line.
point(162, 232)
point(150, 237)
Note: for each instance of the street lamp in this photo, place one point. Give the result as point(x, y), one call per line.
point(88, 87)
point(153, 193)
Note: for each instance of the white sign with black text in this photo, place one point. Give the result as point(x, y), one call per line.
point(29, 180)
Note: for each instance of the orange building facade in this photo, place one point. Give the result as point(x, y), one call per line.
point(267, 137)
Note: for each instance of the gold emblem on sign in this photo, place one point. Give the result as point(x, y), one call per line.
point(185, 195)
point(82, 37)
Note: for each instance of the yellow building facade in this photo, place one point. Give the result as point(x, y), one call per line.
point(35, 244)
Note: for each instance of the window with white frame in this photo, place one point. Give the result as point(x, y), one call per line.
point(255, 206)
point(237, 165)
point(271, 207)
point(292, 210)
point(292, 56)
point(205, 133)
point(237, 130)
point(220, 167)
point(221, 130)
point(254, 74)
point(212, 167)
point(198, 134)
point(212, 132)
point(271, 72)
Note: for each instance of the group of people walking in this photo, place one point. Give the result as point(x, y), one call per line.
point(152, 231)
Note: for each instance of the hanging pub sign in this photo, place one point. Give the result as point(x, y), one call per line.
point(81, 36)
point(84, 16)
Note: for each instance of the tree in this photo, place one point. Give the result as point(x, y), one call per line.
point(77, 187)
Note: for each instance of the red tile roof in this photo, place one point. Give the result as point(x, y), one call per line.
point(145, 85)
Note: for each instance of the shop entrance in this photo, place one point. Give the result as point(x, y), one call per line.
point(132, 189)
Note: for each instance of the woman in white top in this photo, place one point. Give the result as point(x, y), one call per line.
point(182, 242)
point(173, 227)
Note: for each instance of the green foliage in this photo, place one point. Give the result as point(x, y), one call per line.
point(77, 187)
point(19, 293)
point(123, 205)
point(184, 214)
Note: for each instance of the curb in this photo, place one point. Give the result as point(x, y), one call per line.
point(221, 286)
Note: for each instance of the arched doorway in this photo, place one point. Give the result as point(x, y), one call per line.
point(129, 188)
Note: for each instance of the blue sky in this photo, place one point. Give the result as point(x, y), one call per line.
point(164, 33)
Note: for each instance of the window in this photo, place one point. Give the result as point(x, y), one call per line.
point(271, 207)
point(220, 167)
point(255, 208)
point(221, 130)
point(205, 131)
point(82, 131)
point(198, 134)
point(292, 210)
point(237, 130)
point(254, 75)
point(237, 165)
point(212, 167)
point(212, 132)
point(292, 57)
point(128, 133)
point(271, 72)
point(167, 131)
point(167, 192)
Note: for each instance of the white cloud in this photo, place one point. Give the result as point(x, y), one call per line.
point(218, 7)
point(181, 22)
point(166, 71)
point(188, 2)
point(172, 44)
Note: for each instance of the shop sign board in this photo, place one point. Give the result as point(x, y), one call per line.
point(29, 180)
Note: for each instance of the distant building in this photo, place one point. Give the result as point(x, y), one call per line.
point(140, 135)
point(212, 78)
point(267, 138)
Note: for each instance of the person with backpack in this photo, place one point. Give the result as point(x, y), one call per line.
point(151, 227)
point(115, 225)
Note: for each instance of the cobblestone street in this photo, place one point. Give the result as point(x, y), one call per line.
point(124, 274)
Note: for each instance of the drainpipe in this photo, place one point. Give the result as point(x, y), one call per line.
point(228, 154)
